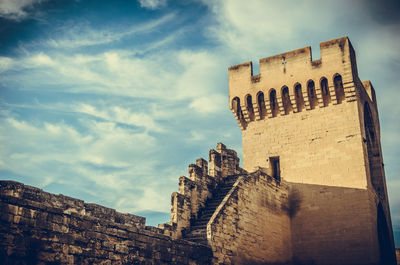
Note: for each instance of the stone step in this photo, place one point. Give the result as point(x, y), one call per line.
point(220, 189)
point(198, 231)
point(199, 227)
point(198, 240)
point(213, 205)
point(229, 182)
point(224, 188)
point(204, 218)
point(207, 211)
point(201, 222)
point(219, 196)
point(196, 237)
point(206, 214)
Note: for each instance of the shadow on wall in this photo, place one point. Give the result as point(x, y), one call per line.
point(317, 212)
point(294, 201)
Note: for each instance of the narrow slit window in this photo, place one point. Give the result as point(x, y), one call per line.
point(312, 95)
point(261, 105)
point(326, 97)
point(238, 110)
point(339, 90)
point(299, 98)
point(273, 103)
point(250, 110)
point(287, 105)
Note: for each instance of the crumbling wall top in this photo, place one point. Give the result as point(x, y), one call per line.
point(66, 205)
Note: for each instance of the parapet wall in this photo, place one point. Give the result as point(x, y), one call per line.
point(19, 193)
point(252, 224)
point(37, 227)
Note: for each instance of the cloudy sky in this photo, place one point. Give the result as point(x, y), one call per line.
point(109, 101)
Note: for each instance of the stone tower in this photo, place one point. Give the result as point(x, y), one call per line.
point(314, 124)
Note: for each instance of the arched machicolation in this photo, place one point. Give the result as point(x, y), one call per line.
point(261, 105)
point(273, 103)
point(286, 101)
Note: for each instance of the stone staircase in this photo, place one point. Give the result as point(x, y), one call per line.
point(198, 229)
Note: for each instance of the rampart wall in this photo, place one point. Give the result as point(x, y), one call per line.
point(37, 227)
point(252, 224)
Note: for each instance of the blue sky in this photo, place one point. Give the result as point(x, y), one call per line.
point(109, 101)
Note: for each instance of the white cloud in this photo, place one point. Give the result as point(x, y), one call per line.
point(41, 59)
point(82, 34)
point(209, 104)
point(253, 26)
point(16, 9)
point(153, 4)
point(121, 115)
point(38, 147)
point(194, 77)
point(5, 63)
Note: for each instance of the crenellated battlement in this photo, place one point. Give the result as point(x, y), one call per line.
point(195, 189)
point(293, 82)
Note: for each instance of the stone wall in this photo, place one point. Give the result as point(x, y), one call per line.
point(252, 224)
point(339, 220)
point(334, 143)
point(322, 146)
point(194, 191)
point(315, 146)
point(37, 227)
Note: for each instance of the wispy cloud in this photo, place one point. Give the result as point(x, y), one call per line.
point(122, 115)
point(107, 156)
point(17, 9)
point(5, 63)
point(168, 76)
point(82, 34)
point(153, 4)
